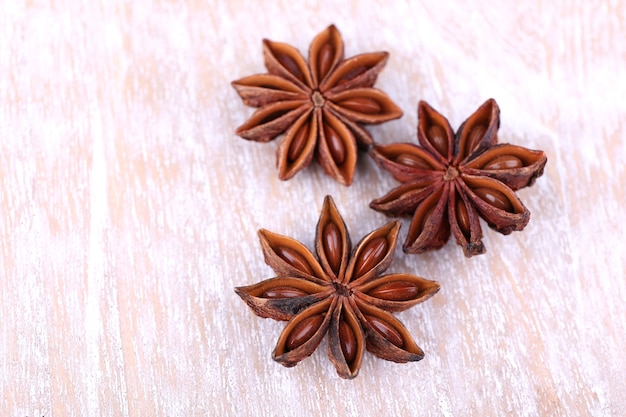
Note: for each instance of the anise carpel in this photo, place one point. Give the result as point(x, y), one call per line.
point(453, 179)
point(341, 292)
point(320, 105)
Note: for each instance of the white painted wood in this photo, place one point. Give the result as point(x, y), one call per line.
point(129, 210)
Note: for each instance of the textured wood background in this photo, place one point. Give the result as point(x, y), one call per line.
point(129, 210)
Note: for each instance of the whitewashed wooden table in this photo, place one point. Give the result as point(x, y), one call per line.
point(129, 210)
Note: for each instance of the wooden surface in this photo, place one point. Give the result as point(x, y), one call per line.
point(129, 210)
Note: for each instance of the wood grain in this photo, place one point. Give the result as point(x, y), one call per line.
point(129, 210)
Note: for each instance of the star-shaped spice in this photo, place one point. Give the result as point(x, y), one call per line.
point(320, 104)
point(339, 292)
point(453, 179)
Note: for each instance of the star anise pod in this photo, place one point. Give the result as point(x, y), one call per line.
point(453, 179)
point(321, 104)
point(339, 292)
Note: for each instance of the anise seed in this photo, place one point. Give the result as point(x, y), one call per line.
point(395, 291)
point(303, 331)
point(335, 145)
point(495, 198)
point(331, 239)
point(283, 292)
point(474, 138)
point(462, 217)
point(362, 105)
point(504, 162)
point(347, 339)
point(298, 143)
point(291, 65)
point(352, 74)
point(385, 330)
point(294, 259)
point(325, 59)
point(411, 160)
point(273, 116)
point(373, 253)
point(425, 218)
point(437, 137)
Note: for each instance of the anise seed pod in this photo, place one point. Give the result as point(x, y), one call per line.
point(320, 105)
point(340, 292)
point(451, 180)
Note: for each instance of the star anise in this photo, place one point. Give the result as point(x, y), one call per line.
point(452, 180)
point(320, 104)
point(341, 292)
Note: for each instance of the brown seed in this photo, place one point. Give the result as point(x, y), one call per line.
point(298, 142)
point(437, 137)
point(474, 138)
point(325, 59)
point(283, 292)
point(355, 72)
point(291, 65)
point(395, 291)
point(504, 162)
point(362, 105)
point(385, 330)
point(331, 240)
point(371, 255)
point(411, 160)
point(495, 198)
point(462, 217)
point(425, 218)
point(347, 339)
point(303, 331)
point(335, 145)
point(294, 259)
point(273, 116)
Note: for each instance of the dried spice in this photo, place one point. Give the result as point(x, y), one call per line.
point(452, 180)
point(339, 292)
point(321, 104)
